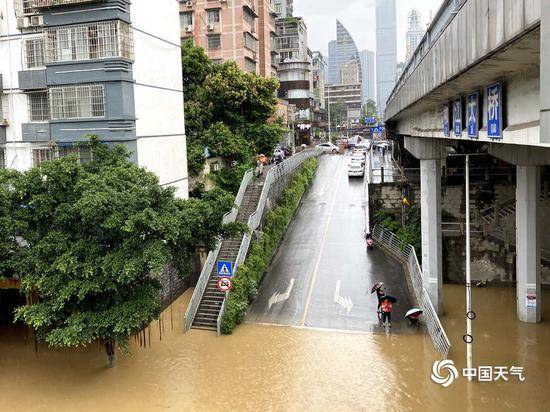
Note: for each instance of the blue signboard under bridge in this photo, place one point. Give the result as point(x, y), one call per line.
point(494, 111)
point(472, 113)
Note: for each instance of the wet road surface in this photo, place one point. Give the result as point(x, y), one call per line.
point(322, 274)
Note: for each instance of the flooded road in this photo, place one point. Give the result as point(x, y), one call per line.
point(272, 368)
point(322, 273)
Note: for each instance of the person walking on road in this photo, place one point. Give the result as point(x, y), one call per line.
point(386, 306)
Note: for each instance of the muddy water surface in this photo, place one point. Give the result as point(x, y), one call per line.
point(283, 368)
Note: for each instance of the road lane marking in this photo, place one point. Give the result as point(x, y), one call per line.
point(322, 245)
point(345, 302)
point(281, 297)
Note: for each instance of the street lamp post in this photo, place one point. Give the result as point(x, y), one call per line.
point(469, 337)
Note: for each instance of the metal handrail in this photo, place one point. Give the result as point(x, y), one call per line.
point(213, 255)
point(272, 176)
point(407, 254)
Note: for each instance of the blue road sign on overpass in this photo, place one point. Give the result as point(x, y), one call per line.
point(494, 111)
point(473, 115)
point(457, 116)
point(446, 125)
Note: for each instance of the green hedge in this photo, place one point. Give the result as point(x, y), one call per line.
point(250, 273)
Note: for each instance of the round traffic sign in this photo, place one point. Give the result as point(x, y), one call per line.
point(225, 284)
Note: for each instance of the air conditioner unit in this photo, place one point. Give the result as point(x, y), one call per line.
point(22, 22)
point(209, 27)
point(189, 4)
point(188, 29)
point(37, 21)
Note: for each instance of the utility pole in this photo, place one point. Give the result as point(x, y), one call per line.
point(328, 105)
point(469, 337)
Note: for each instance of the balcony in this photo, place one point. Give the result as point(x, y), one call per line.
point(46, 4)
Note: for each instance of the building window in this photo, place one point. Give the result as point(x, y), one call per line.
point(82, 152)
point(38, 107)
point(249, 16)
point(33, 50)
point(186, 19)
point(212, 16)
point(2, 158)
point(250, 65)
point(250, 42)
point(77, 102)
point(213, 42)
point(89, 41)
point(41, 155)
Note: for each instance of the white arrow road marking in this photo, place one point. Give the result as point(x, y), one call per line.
point(345, 302)
point(281, 297)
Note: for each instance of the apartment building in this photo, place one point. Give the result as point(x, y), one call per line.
point(238, 30)
point(295, 72)
point(70, 68)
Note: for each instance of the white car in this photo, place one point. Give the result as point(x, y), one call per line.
point(328, 147)
point(356, 169)
point(358, 158)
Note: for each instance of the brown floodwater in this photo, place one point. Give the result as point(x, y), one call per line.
point(282, 368)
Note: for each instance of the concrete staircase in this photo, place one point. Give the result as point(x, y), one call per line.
point(212, 299)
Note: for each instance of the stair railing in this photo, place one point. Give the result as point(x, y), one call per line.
point(272, 176)
point(206, 271)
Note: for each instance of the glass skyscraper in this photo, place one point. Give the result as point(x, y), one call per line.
point(386, 51)
point(341, 51)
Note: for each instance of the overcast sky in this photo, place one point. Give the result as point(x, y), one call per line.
point(358, 17)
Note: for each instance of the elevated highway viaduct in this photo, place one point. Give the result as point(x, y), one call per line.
point(480, 75)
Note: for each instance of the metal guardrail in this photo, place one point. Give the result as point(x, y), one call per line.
point(272, 176)
point(213, 255)
point(407, 254)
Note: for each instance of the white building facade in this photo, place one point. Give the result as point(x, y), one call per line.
point(73, 68)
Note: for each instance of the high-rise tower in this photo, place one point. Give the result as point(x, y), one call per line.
point(414, 32)
point(386, 50)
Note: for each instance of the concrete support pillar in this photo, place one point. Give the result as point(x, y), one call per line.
point(432, 271)
point(528, 244)
point(430, 152)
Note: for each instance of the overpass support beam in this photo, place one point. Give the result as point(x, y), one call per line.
point(528, 160)
point(528, 244)
point(430, 152)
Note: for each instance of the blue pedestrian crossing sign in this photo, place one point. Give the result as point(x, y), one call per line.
point(225, 268)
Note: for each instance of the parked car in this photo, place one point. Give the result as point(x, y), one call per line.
point(328, 147)
point(356, 169)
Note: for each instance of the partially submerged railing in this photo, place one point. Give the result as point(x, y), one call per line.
point(407, 253)
point(255, 219)
point(213, 255)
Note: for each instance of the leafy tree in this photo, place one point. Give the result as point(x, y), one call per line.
point(370, 109)
point(195, 67)
point(97, 234)
point(226, 110)
point(10, 225)
point(338, 113)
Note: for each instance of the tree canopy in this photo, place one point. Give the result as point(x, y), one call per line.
point(226, 110)
point(95, 237)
